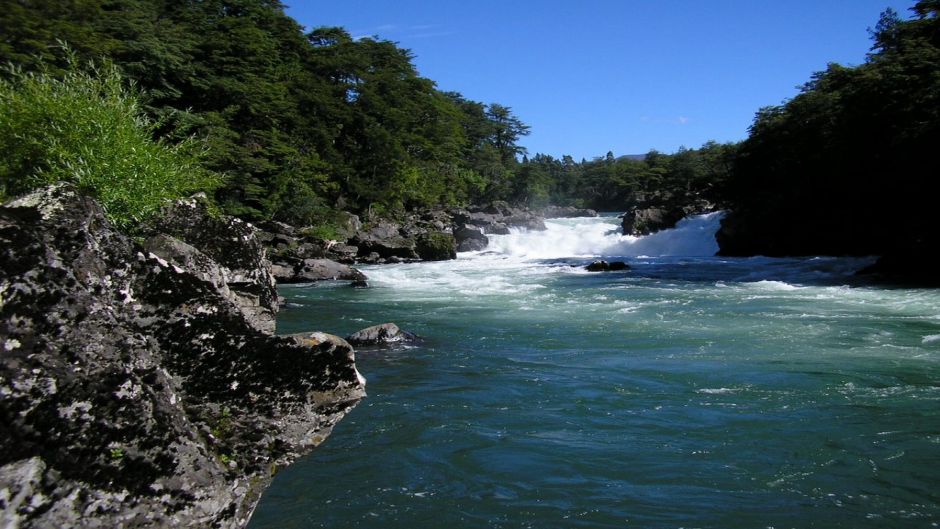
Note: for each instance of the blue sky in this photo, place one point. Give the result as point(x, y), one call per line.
point(626, 76)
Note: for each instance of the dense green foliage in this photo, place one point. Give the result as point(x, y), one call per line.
point(302, 123)
point(298, 122)
point(88, 128)
point(849, 165)
point(610, 183)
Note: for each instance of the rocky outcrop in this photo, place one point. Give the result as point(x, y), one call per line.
point(378, 335)
point(385, 239)
point(135, 392)
point(229, 242)
point(916, 266)
point(566, 212)
point(661, 211)
point(644, 221)
point(496, 218)
point(430, 235)
point(310, 270)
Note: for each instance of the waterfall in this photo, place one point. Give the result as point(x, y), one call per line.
point(601, 237)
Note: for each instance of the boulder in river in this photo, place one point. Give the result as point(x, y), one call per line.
point(436, 246)
point(470, 238)
point(322, 270)
point(604, 266)
point(384, 334)
point(558, 212)
point(385, 239)
point(135, 392)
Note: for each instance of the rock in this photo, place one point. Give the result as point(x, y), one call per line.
point(527, 221)
point(470, 239)
point(360, 284)
point(498, 207)
point(645, 221)
point(497, 228)
point(914, 266)
point(322, 340)
point(324, 269)
point(343, 253)
point(436, 246)
point(308, 270)
point(134, 392)
point(274, 228)
point(192, 260)
point(385, 239)
point(347, 225)
point(498, 217)
point(604, 266)
point(384, 334)
point(232, 244)
point(559, 212)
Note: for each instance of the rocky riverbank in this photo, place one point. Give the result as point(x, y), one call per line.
point(141, 382)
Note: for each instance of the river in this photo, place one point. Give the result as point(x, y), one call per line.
point(688, 391)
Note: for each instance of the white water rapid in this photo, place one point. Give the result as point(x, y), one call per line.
point(526, 261)
point(601, 237)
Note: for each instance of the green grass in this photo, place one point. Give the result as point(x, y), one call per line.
point(88, 127)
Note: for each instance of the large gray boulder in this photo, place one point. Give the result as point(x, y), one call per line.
point(133, 391)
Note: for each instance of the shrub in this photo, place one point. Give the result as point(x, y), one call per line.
point(88, 127)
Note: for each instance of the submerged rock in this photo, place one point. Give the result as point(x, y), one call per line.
point(135, 393)
point(604, 266)
point(384, 334)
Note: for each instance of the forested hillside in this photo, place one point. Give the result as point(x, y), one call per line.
point(304, 122)
point(297, 121)
point(848, 166)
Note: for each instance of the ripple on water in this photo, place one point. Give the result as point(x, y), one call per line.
point(688, 392)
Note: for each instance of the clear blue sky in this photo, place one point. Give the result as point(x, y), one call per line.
point(591, 76)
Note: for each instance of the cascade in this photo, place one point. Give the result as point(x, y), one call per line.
point(601, 237)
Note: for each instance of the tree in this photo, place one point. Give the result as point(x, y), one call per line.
point(506, 131)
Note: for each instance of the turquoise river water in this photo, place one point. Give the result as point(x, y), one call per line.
point(689, 391)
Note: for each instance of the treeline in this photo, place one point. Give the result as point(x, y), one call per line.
point(298, 122)
point(302, 123)
point(611, 183)
point(850, 165)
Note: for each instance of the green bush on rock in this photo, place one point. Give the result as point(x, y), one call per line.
point(88, 127)
point(436, 246)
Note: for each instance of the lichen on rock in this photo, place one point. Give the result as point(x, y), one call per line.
point(133, 391)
